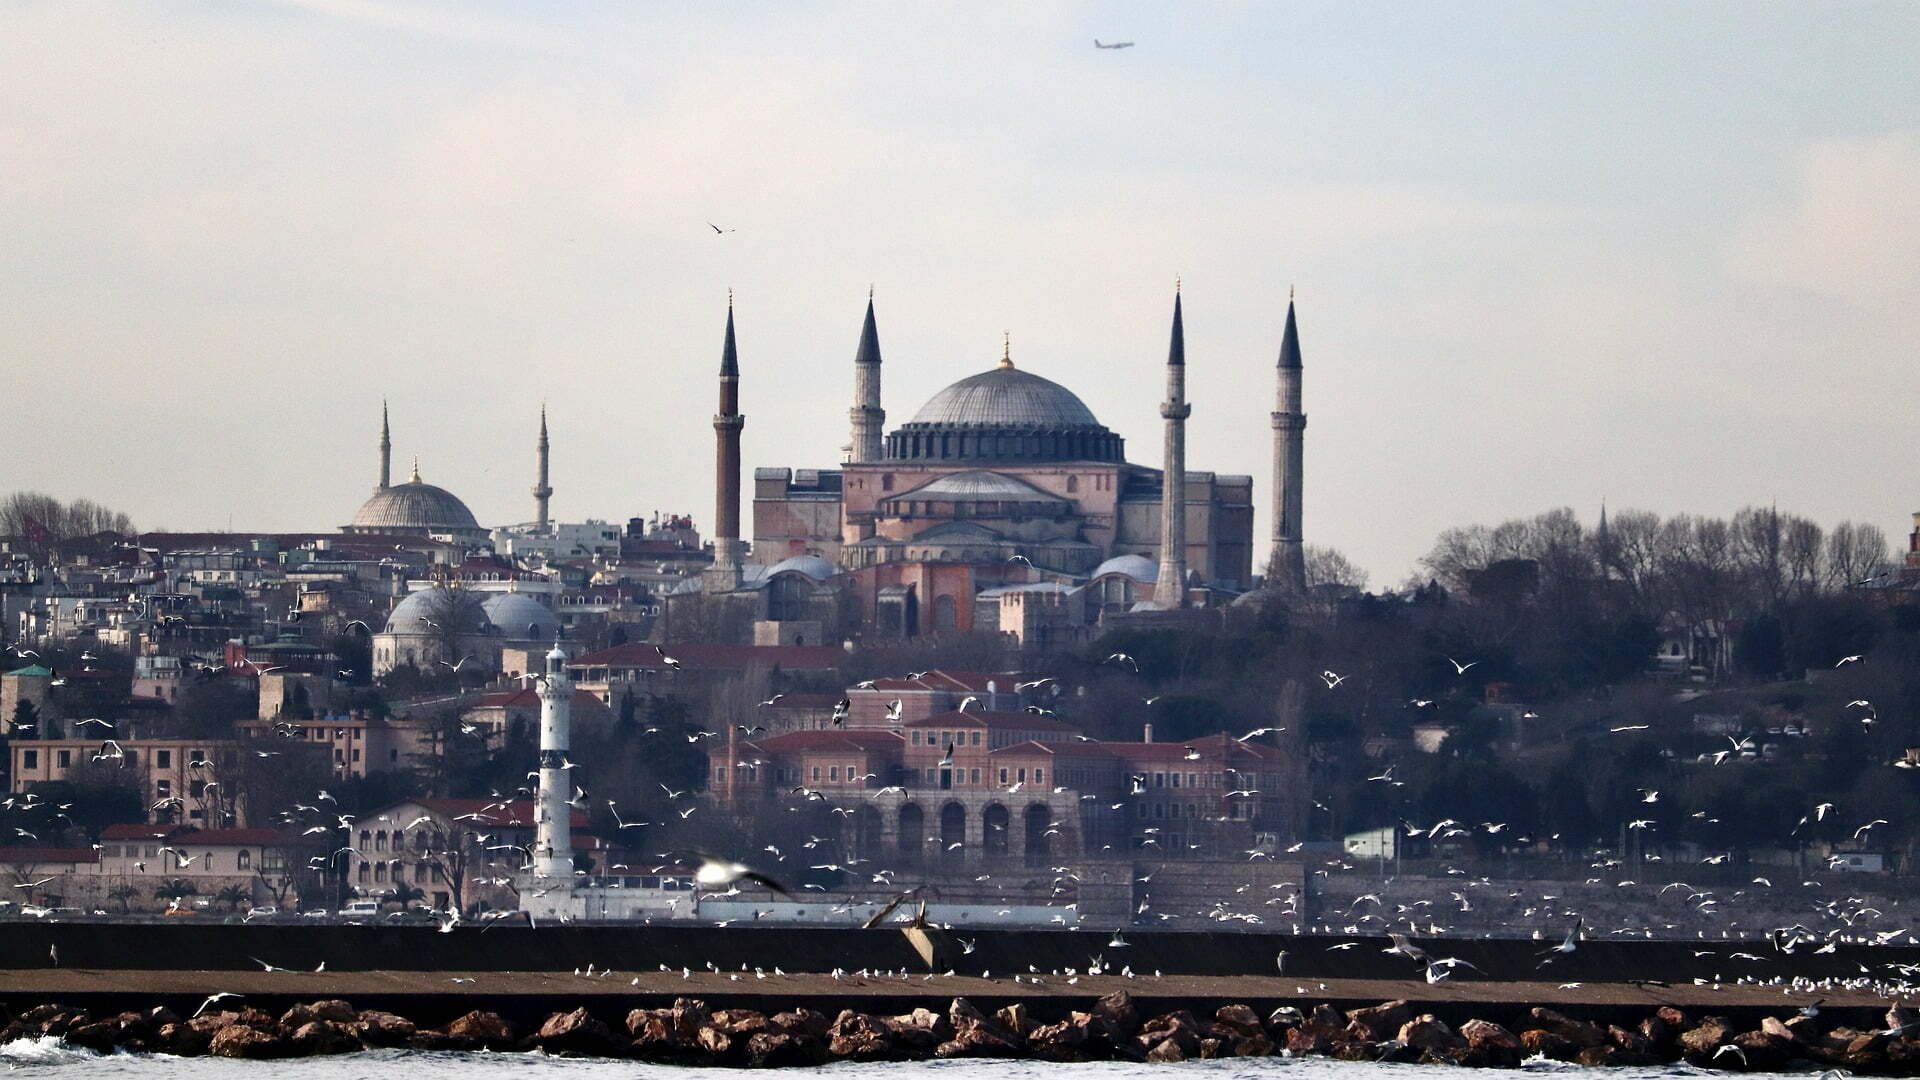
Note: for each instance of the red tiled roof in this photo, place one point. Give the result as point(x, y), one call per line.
point(952, 681)
point(1001, 720)
point(867, 739)
point(806, 701)
point(138, 832)
point(716, 657)
point(22, 855)
point(233, 838)
point(1058, 749)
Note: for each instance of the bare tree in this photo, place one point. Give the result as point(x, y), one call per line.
point(1329, 566)
point(1857, 553)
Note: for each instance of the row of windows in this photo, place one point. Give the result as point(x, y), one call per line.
point(943, 738)
point(207, 863)
point(422, 840)
point(422, 872)
point(162, 759)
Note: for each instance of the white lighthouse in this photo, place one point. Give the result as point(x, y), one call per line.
point(553, 841)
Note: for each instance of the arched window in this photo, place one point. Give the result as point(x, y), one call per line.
point(380, 871)
point(245, 859)
point(1073, 484)
point(945, 616)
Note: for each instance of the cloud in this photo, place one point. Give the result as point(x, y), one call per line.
point(1852, 226)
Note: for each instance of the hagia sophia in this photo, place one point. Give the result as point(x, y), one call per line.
point(1002, 504)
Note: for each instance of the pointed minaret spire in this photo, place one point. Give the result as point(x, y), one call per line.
point(1170, 589)
point(386, 448)
point(1287, 565)
point(728, 551)
point(542, 490)
point(416, 470)
point(867, 416)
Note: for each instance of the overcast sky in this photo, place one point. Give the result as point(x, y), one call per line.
point(1663, 254)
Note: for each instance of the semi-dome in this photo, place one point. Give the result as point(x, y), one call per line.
point(1138, 567)
point(517, 615)
point(1004, 414)
point(414, 508)
point(812, 566)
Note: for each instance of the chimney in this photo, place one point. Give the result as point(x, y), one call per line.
point(1147, 735)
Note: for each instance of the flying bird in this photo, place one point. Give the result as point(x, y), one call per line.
point(1098, 44)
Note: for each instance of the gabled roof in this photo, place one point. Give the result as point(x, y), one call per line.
point(999, 721)
point(977, 484)
point(966, 682)
point(1075, 748)
point(21, 855)
point(528, 698)
point(857, 739)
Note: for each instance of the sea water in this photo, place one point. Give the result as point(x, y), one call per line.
point(49, 1057)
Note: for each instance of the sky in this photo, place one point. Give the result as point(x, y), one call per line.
point(1665, 255)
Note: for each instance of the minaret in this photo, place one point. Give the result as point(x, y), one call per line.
point(867, 415)
point(1170, 591)
point(1287, 566)
point(542, 491)
point(386, 449)
point(553, 838)
point(724, 574)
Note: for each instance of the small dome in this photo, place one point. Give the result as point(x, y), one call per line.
point(1138, 567)
point(521, 617)
point(414, 506)
point(1007, 396)
point(812, 566)
point(412, 613)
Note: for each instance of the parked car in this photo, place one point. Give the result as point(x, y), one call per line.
point(361, 909)
point(262, 912)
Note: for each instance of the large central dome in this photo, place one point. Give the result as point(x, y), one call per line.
point(415, 508)
point(1004, 414)
point(1007, 395)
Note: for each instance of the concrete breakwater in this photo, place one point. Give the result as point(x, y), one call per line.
point(1113, 1026)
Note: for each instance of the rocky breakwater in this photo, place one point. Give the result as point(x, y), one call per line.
point(688, 1032)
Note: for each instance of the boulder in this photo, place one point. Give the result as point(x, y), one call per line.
point(577, 1033)
point(1580, 1033)
point(1762, 1052)
point(741, 1022)
point(802, 1022)
point(859, 1037)
point(1071, 1039)
point(1116, 1014)
point(1699, 1042)
point(652, 1034)
point(1015, 1019)
point(1658, 1032)
point(1167, 1050)
point(247, 1041)
point(100, 1036)
point(1178, 1025)
point(317, 1037)
point(776, 1048)
point(1239, 1018)
point(1543, 1043)
point(688, 1016)
point(183, 1040)
point(333, 1009)
point(919, 1031)
point(1634, 1047)
point(979, 1040)
point(482, 1029)
point(715, 1043)
point(1213, 1048)
point(1499, 1047)
point(1377, 1023)
point(1428, 1032)
point(1779, 1030)
point(377, 1028)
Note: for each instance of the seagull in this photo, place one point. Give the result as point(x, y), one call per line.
point(1460, 668)
point(893, 710)
point(1098, 44)
point(1020, 559)
point(716, 874)
point(1122, 658)
point(1331, 679)
point(216, 997)
point(456, 665)
point(1567, 946)
point(1629, 727)
point(1849, 659)
point(718, 231)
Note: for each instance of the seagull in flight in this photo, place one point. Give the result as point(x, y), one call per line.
point(1098, 44)
point(717, 874)
point(718, 231)
point(1460, 668)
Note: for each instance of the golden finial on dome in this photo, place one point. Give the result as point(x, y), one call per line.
point(1176, 283)
point(416, 470)
point(1006, 348)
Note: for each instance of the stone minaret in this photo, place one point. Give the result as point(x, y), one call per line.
point(1170, 591)
point(553, 837)
point(542, 491)
point(1287, 566)
point(867, 415)
point(724, 575)
point(386, 450)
